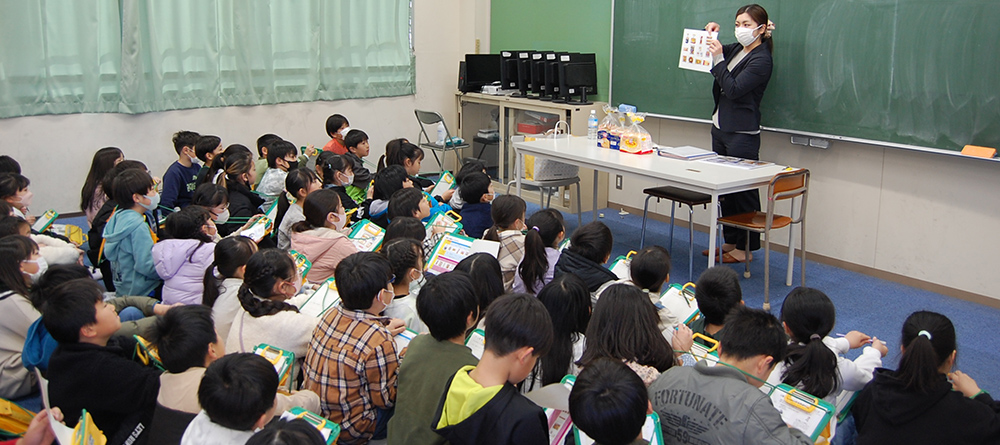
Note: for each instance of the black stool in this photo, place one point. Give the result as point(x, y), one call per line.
point(679, 196)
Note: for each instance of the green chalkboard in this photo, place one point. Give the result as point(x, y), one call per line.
point(915, 72)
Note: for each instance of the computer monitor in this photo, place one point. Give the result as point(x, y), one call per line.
point(538, 74)
point(568, 90)
point(508, 70)
point(552, 76)
point(523, 73)
point(578, 78)
point(481, 70)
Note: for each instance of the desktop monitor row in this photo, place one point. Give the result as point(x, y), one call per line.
point(544, 75)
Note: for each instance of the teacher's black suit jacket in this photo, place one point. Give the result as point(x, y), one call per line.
point(738, 92)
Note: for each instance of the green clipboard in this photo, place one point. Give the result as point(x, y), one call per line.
point(800, 410)
point(282, 360)
point(679, 300)
point(302, 264)
point(445, 182)
point(620, 266)
point(366, 236)
point(449, 220)
point(476, 343)
point(321, 300)
point(329, 430)
point(43, 222)
point(447, 253)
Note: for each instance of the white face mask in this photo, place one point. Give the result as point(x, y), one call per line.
point(345, 131)
point(153, 202)
point(341, 221)
point(745, 35)
point(26, 199)
point(42, 267)
point(223, 217)
point(349, 179)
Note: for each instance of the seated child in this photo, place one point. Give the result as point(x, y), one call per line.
point(541, 251)
point(187, 343)
point(407, 260)
point(136, 313)
point(507, 213)
point(625, 308)
point(269, 314)
point(739, 411)
point(54, 250)
point(224, 278)
point(717, 292)
point(90, 357)
point(568, 303)
point(352, 361)
point(448, 304)
point(128, 236)
point(182, 257)
point(486, 280)
point(401, 152)
point(408, 202)
point(244, 204)
point(320, 237)
point(281, 159)
point(412, 228)
point(92, 197)
point(480, 404)
point(649, 270)
point(336, 127)
point(299, 183)
point(180, 179)
point(356, 142)
point(287, 432)
point(206, 149)
point(925, 399)
point(388, 181)
point(456, 201)
point(14, 190)
point(815, 361)
point(95, 236)
point(215, 199)
point(260, 165)
point(336, 173)
point(477, 192)
point(237, 397)
point(589, 248)
point(609, 403)
point(20, 268)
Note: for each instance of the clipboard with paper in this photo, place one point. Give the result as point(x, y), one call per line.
point(680, 301)
point(554, 400)
point(45, 220)
point(476, 343)
point(366, 236)
point(329, 430)
point(282, 360)
point(620, 266)
point(445, 182)
point(707, 353)
point(800, 410)
point(302, 264)
point(452, 249)
point(259, 229)
point(449, 221)
point(323, 298)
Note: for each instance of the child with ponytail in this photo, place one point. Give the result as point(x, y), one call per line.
point(815, 361)
point(923, 401)
point(238, 175)
point(401, 152)
point(224, 278)
point(567, 301)
point(267, 315)
point(319, 236)
point(649, 270)
point(507, 212)
point(407, 259)
point(336, 173)
point(299, 183)
point(541, 251)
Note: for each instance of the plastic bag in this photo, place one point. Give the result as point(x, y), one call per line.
point(636, 139)
point(603, 135)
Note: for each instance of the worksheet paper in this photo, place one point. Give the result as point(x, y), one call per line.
point(695, 55)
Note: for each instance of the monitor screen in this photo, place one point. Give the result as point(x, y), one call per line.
point(482, 69)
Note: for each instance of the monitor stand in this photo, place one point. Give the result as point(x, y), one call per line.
point(583, 99)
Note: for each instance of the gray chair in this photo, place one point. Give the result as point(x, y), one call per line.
point(432, 118)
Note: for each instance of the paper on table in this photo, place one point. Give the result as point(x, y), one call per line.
point(695, 54)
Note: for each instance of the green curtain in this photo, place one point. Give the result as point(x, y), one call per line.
point(157, 55)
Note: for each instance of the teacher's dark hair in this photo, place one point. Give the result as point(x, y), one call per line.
point(759, 15)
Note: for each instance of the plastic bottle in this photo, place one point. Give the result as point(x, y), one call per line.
point(442, 134)
point(592, 126)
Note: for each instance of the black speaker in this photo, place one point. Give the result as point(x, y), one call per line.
point(463, 84)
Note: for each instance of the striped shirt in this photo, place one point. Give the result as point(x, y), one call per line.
point(352, 364)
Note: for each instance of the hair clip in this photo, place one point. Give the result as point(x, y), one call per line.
point(924, 334)
point(535, 228)
point(815, 337)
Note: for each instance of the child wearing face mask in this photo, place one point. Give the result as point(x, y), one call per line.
point(269, 313)
point(20, 267)
point(183, 256)
point(181, 178)
point(281, 159)
point(407, 259)
point(128, 238)
point(14, 190)
point(336, 173)
point(320, 236)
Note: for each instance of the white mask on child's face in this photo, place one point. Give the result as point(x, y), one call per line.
point(345, 131)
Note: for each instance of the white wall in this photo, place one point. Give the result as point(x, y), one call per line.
point(926, 216)
point(55, 151)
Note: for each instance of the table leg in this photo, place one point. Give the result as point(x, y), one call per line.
point(517, 172)
point(712, 227)
point(791, 248)
point(596, 173)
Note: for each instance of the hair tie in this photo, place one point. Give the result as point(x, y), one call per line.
point(535, 228)
point(924, 334)
point(815, 337)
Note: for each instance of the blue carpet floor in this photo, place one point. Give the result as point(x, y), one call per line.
point(864, 303)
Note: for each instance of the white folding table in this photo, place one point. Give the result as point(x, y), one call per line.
point(702, 177)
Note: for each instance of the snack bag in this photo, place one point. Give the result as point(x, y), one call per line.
point(603, 137)
point(616, 131)
point(636, 139)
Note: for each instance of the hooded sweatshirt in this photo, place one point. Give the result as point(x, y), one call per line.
point(325, 247)
point(886, 412)
point(593, 274)
point(182, 264)
point(129, 246)
point(469, 413)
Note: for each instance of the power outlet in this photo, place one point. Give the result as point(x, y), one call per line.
point(618, 182)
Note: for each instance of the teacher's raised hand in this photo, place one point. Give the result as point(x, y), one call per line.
point(712, 27)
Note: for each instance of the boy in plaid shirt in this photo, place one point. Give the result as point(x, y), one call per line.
point(352, 362)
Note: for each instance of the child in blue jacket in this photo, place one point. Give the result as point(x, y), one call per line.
point(129, 238)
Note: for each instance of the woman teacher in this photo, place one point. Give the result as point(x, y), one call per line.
point(741, 72)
